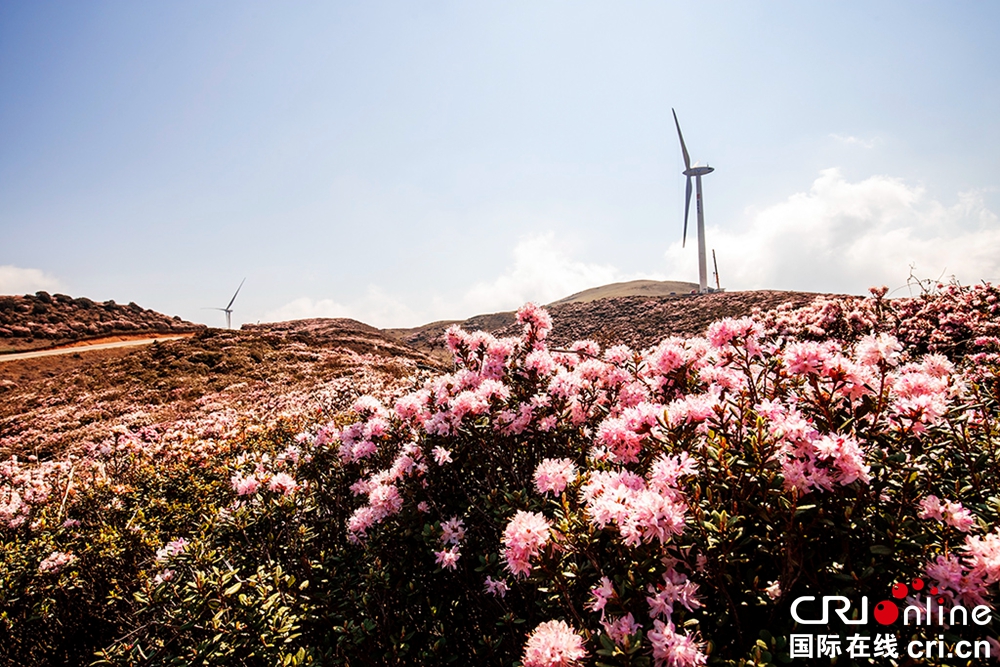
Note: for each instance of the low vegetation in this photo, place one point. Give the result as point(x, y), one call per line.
point(548, 504)
point(42, 319)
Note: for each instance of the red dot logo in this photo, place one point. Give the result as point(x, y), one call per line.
point(886, 611)
point(899, 591)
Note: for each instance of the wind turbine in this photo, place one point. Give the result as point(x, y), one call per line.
point(697, 172)
point(228, 310)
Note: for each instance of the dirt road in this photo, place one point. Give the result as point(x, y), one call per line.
point(84, 347)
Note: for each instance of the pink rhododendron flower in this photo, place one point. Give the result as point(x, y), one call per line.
point(447, 558)
point(283, 483)
point(728, 331)
point(385, 500)
point(773, 590)
point(537, 322)
point(359, 522)
point(640, 513)
point(441, 456)
point(452, 531)
point(667, 471)
point(553, 644)
point(950, 513)
point(553, 475)
point(878, 350)
point(619, 629)
point(541, 362)
point(245, 486)
point(676, 588)
point(165, 576)
point(172, 548)
point(55, 562)
point(807, 357)
point(523, 539)
point(984, 555)
point(600, 595)
point(672, 649)
point(496, 588)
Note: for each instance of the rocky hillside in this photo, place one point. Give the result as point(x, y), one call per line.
point(213, 379)
point(44, 319)
point(219, 376)
point(637, 321)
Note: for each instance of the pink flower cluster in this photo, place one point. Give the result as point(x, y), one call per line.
point(360, 440)
point(643, 510)
point(810, 459)
point(496, 587)
point(55, 562)
point(553, 644)
point(382, 490)
point(452, 532)
point(967, 579)
point(600, 595)
point(283, 483)
point(952, 514)
point(25, 488)
point(676, 588)
point(245, 486)
point(673, 649)
point(619, 629)
point(523, 539)
point(920, 393)
point(279, 482)
point(950, 319)
point(172, 548)
point(554, 475)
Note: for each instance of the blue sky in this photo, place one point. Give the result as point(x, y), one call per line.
point(404, 162)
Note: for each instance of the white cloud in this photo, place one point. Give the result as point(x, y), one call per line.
point(15, 280)
point(851, 140)
point(378, 309)
point(305, 308)
point(846, 237)
point(542, 272)
point(837, 237)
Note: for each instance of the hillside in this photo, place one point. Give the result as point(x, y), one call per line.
point(54, 405)
point(637, 321)
point(43, 320)
point(632, 288)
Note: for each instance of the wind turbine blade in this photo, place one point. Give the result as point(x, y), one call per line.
point(687, 160)
point(237, 292)
point(687, 207)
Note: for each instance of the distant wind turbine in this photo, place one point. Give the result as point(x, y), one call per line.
point(228, 310)
point(697, 172)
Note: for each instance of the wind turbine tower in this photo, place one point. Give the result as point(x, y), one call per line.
point(697, 172)
point(228, 310)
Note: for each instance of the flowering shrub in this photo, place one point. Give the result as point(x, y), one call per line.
point(554, 506)
point(668, 503)
point(951, 319)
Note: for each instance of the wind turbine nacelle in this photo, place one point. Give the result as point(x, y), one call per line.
point(698, 171)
